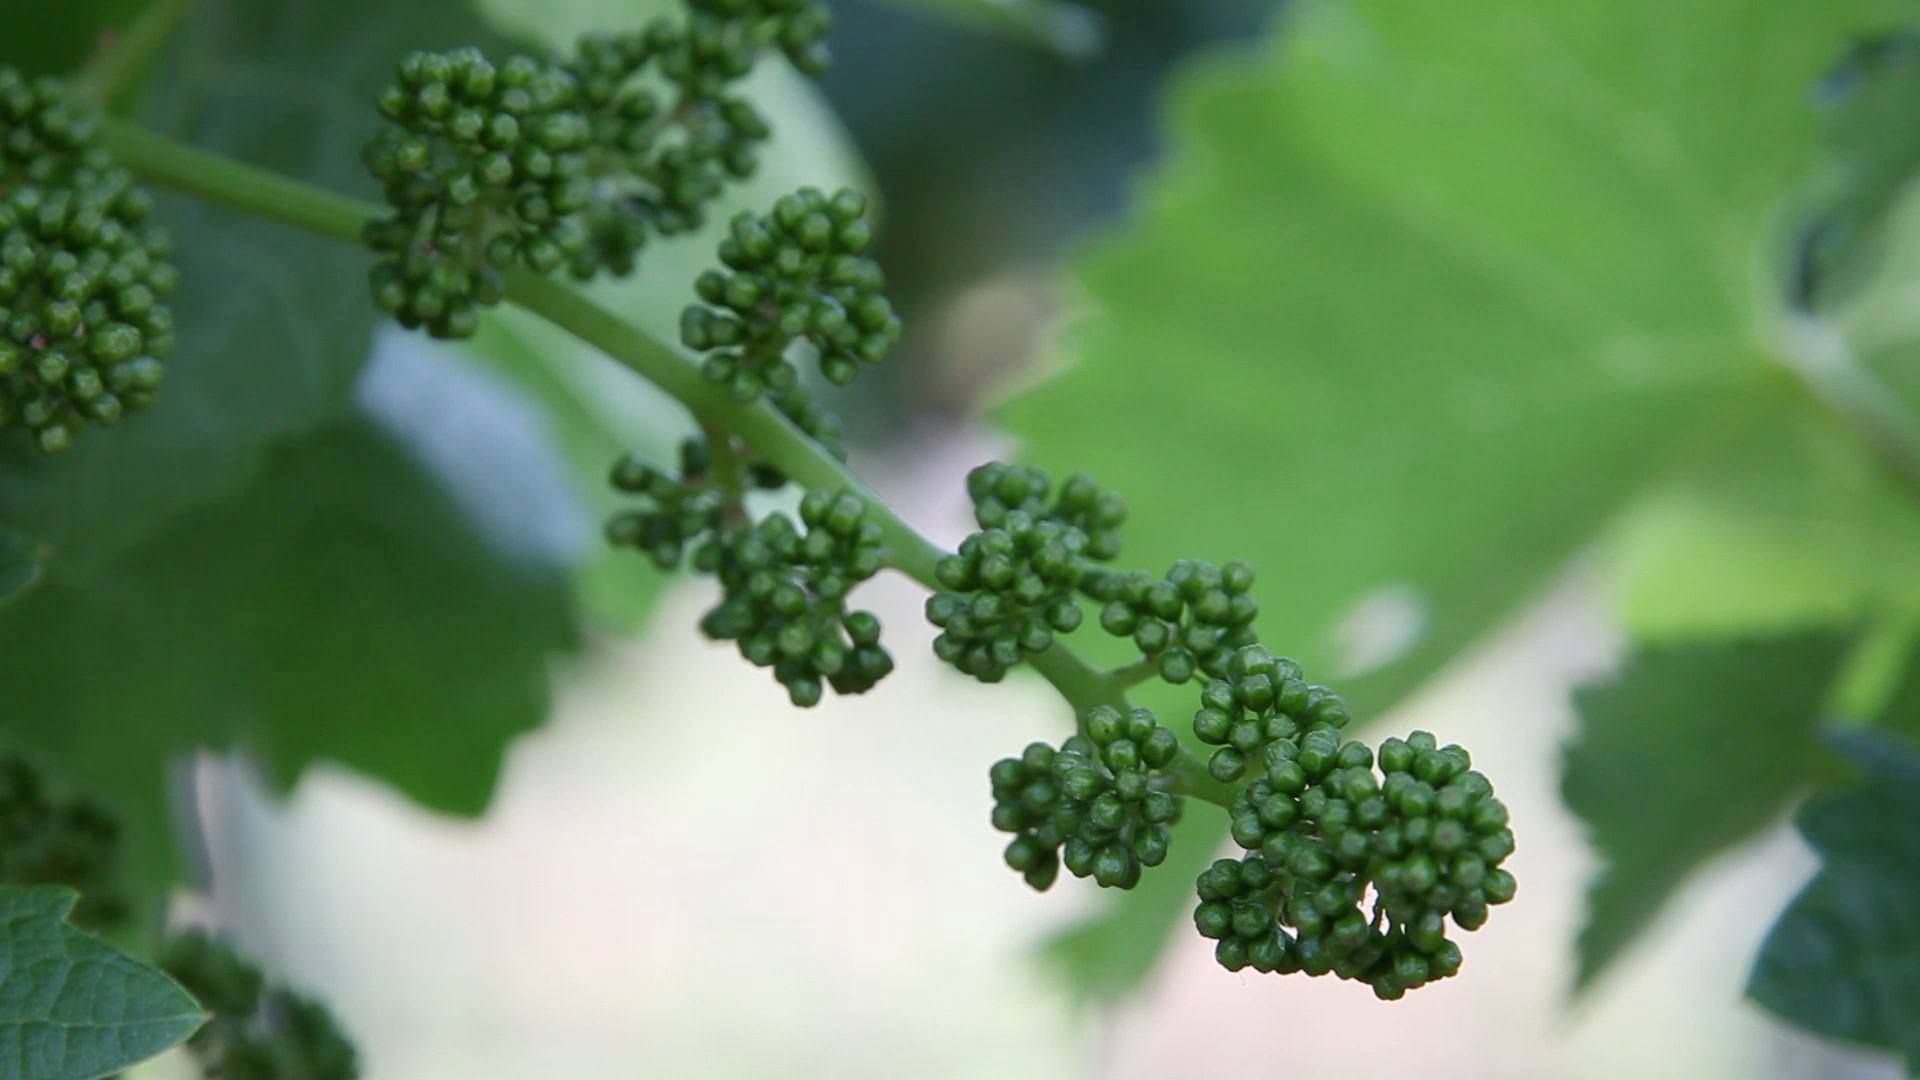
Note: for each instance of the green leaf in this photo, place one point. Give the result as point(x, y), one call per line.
point(1900, 712)
point(1421, 299)
point(53, 39)
point(72, 1007)
point(1871, 100)
point(1783, 524)
point(21, 561)
point(1686, 751)
point(1844, 958)
point(346, 607)
point(274, 324)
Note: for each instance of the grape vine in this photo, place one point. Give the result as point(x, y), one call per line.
point(501, 174)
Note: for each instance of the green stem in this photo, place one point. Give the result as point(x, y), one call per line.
point(728, 471)
point(231, 183)
point(771, 435)
point(1085, 686)
point(1142, 670)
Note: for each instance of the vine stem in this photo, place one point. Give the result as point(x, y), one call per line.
point(257, 191)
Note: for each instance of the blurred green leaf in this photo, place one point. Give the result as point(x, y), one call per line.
point(1871, 99)
point(72, 1007)
point(1103, 959)
point(21, 561)
point(53, 39)
point(1418, 303)
point(1844, 958)
point(1901, 712)
point(343, 608)
point(274, 324)
point(1686, 751)
point(1782, 524)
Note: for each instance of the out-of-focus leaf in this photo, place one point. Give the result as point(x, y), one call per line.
point(1784, 524)
point(21, 561)
point(71, 1006)
point(53, 39)
point(1686, 751)
point(343, 608)
point(1103, 959)
point(273, 323)
point(1901, 712)
point(1420, 301)
point(1872, 99)
point(1844, 958)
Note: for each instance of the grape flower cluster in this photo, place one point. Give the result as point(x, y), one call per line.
point(1093, 804)
point(84, 275)
point(1015, 583)
point(784, 586)
point(571, 162)
point(255, 1031)
point(1423, 841)
point(795, 273)
point(1192, 619)
point(1346, 871)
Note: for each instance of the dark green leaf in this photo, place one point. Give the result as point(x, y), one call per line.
point(1872, 99)
point(72, 1007)
point(53, 39)
point(21, 561)
point(344, 607)
point(1844, 958)
point(1686, 751)
point(1422, 298)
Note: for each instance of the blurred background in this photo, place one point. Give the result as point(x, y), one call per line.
point(1501, 339)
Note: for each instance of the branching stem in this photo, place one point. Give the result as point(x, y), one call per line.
point(772, 436)
point(1142, 670)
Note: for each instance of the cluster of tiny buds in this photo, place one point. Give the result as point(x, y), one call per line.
point(256, 1031)
point(784, 588)
point(797, 272)
point(785, 591)
point(573, 162)
point(486, 169)
point(1093, 805)
point(1425, 841)
point(83, 276)
point(1193, 620)
point(1260, 701)
point(1015, 584)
